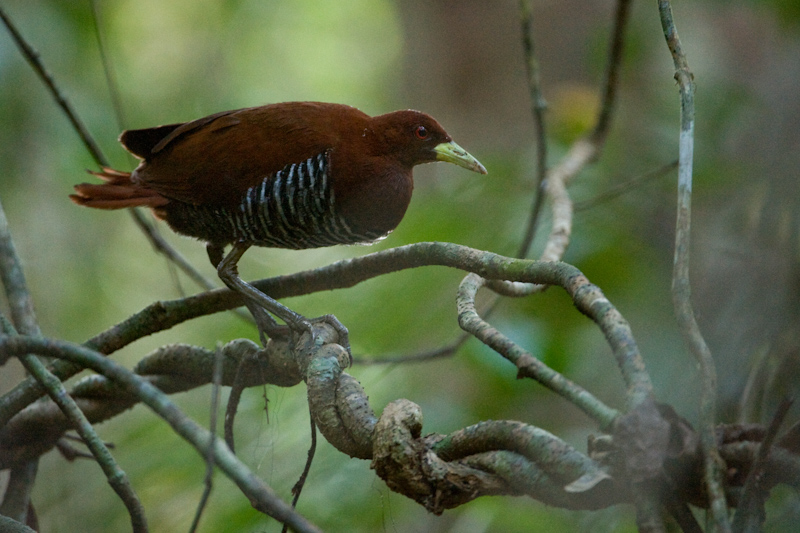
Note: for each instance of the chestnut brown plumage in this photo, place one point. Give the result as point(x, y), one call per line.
point(291, 175)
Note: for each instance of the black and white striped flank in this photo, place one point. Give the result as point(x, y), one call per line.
point(295, 208)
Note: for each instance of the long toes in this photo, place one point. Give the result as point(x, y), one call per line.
point(341, 331)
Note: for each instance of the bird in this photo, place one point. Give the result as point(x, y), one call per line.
point(293, 175)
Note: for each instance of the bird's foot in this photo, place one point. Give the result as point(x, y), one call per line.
point(304, 325)
point(341, 331)
point(268, 328)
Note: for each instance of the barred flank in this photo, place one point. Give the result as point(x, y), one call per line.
point(294, 209)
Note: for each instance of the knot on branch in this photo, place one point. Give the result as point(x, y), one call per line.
point(653, 446)
point(649, 436)
point(409, 466)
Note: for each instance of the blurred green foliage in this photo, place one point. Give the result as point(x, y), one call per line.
point(461, 62)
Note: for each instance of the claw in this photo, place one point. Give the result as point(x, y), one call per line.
point(341, 331)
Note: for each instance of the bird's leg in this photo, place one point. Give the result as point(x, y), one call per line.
point(229, 274)
point(267, 326)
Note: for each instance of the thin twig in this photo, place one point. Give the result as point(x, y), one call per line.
point(441, 352)
point(70, 453)
point(538, 108)
point(161, 246)
point(624, 187)
point(23, 316)
point(75, 438)
point(116, 477)
point(111, 81)
point(35, 61)
point(681, 288)
point(749, 397)
point(150, 230)
point(298, 487)
point(613, 67)
point(428, 355)
point(750, 511)
point(596, 138)
point(16, 500)
point(581, 153)
point(647, 505)
point(208, 480)
point(234, 397)
point(682, 514)
point(171, 368)
point(648, 511)
point(585, 150)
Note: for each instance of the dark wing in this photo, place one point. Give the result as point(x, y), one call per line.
point(147, 142)
point(215, 159)
point(141, 142)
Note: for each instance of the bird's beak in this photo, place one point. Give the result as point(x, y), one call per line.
point(453, 153)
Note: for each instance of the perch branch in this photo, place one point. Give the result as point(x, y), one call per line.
point(116, 477)
point(173, 368)
point(440, 472)
point(343, 274)
point(491, 458)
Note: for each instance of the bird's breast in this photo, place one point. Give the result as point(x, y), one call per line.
point(374, 198)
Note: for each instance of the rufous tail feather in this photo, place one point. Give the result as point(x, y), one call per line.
point(118, 192)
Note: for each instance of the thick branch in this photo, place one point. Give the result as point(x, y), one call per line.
point(172, 368)
point(261, 496)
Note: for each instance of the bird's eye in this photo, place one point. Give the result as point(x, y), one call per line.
point(421, 132)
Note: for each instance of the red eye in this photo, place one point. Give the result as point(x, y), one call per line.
point(421, 132)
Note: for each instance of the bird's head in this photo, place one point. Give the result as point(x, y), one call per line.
point(414, 138)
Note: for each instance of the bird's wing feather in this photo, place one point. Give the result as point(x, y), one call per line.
point(141, 142)
point(210, 123)
point(145, 143)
